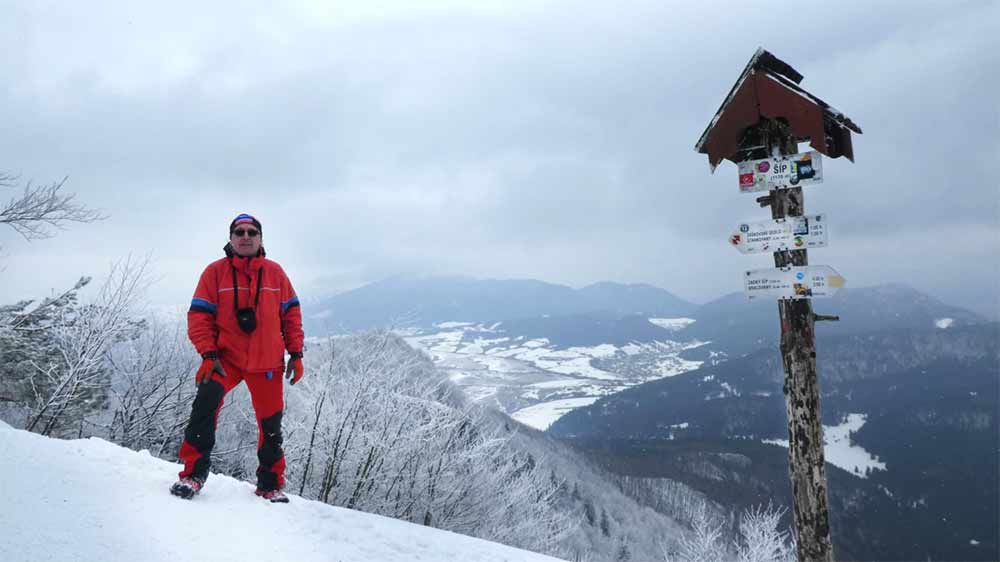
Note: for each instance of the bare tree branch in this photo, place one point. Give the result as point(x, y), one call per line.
point(35, 212)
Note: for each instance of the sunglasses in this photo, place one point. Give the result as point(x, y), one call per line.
point(239, 232)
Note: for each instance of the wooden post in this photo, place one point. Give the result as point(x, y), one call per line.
point(806, 460)
point(756, 122)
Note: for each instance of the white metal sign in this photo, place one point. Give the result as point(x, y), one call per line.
point(793, 282)
point(792, 233)
point(781, 171)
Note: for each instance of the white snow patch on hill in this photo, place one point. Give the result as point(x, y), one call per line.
point(672, 324)
point(541, 416)
point(88, 499)
point(449, 325)
point(944, 323)
point(838, 448)
point(446, 342)
point(673, 365)
point(603, 350)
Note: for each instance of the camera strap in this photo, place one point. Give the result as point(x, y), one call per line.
point(236, 288)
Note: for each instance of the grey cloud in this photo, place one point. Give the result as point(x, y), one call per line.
point(554, 143)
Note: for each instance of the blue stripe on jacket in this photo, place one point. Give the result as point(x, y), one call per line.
point(202, 305)
point(294, 301)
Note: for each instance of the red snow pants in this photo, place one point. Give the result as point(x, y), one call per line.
point(199, 437)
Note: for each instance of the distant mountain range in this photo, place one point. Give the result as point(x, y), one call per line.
point(422, 302)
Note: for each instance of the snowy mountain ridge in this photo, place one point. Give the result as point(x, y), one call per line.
point(88, 499)
point(421, 301)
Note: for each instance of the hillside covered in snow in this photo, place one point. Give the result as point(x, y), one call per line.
point(88, 499)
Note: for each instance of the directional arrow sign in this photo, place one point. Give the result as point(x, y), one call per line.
point(781, 171)
point(793, 282)
point(792, 233)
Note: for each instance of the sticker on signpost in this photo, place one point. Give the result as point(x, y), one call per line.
point(781, 172)
point(776, 235)
point(793, 282)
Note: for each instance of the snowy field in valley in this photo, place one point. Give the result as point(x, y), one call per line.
point(89, 500)
point(838, 449)
point(541, 416)
point(534, 381)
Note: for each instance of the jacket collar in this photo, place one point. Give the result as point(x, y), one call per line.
point(243, 263)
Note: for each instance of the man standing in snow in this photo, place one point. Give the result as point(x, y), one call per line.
point(243, 317)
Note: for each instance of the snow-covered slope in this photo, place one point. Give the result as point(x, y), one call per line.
point(88, 499)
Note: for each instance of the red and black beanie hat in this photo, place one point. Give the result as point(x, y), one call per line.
point(244, 218)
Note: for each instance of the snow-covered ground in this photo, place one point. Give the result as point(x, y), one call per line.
point(944, 323)
point(838, 448)
point(541, 416)
point(90, 500)
point(534, 381)
point(672, 324)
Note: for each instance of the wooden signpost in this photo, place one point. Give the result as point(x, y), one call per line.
point(758, 127)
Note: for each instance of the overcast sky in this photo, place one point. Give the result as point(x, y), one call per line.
point(533, 139)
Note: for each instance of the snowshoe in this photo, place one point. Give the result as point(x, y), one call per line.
point(187, 487)
point(273, 496)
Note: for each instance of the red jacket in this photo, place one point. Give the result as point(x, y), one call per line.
point(212, 322)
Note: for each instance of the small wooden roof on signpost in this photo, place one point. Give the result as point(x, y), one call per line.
point(769, 89)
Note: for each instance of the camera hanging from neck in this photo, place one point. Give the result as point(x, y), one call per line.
point(246, 317)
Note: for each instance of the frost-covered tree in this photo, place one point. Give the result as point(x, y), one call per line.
point(706, 542)
point(27, 345)
point(588, 512)
point(623, 554)
point(669, 497)
point(76, 380)
point(152, 389)
point(759, 540)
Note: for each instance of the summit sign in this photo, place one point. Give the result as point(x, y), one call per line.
point(781, 172)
